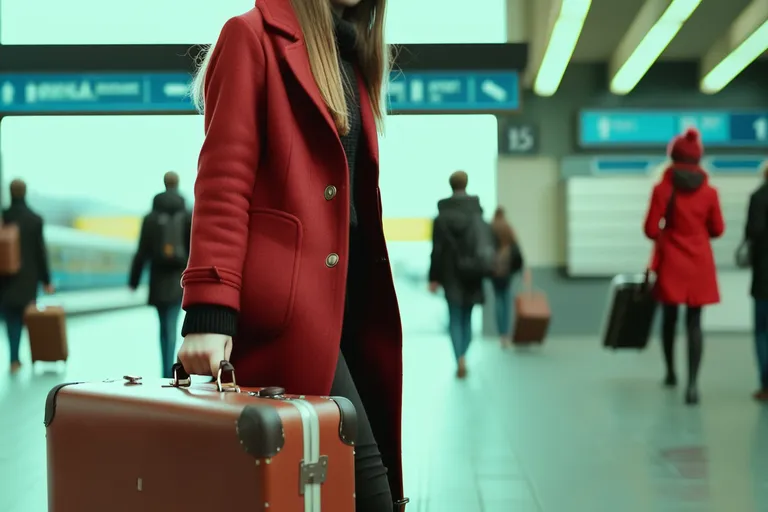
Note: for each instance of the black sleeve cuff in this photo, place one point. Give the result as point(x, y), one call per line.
point(205, 319)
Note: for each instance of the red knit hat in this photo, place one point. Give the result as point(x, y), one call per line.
point(686, 148)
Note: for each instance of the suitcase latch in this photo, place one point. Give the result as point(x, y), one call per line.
point(312, 473)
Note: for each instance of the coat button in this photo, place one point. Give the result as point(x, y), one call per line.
point(330, 192)
point(331, 260)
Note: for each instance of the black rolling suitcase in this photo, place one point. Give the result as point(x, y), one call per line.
point(630, 312)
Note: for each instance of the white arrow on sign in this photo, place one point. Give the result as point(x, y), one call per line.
point(494, 90)
point(604, 128)
point(8, 93)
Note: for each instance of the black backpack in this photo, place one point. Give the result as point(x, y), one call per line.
point(475, 251)
point(171, 241)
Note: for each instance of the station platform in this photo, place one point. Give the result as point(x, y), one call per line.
point(566, 427)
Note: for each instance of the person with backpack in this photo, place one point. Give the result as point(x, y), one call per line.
point(463, 256)
point(164, 244)
point(683, 216)
point(20, 289)
point(508, 261)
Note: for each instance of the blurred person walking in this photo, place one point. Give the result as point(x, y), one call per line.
point(459, 234)
point(289, 273)
point(508, 261)
point(20, 290)
point(164, 244)
point(756, 243)
point(683, 261)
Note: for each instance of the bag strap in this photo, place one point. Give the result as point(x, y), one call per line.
point(668, 215)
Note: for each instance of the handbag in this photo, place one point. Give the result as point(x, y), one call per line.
point(744, 254)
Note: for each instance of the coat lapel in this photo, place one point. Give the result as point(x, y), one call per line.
point(279, 15)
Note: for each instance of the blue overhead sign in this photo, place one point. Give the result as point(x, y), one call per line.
point(128, 93)
point(94, 93)
point(634, 128)
point(454, 92)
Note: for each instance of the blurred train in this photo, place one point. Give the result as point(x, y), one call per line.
point(90, 271)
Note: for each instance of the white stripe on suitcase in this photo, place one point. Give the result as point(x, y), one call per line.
point(311, 429)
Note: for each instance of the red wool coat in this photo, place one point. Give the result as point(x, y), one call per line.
point(270, 228)
point(683, 262)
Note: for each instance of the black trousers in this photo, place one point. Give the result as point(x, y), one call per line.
point(694, 335)
point(371, 482)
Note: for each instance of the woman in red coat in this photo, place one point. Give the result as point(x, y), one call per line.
point(684, 264)
point(288, 272)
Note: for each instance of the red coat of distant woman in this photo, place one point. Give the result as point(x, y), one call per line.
point(270, 231)
point(684, 263)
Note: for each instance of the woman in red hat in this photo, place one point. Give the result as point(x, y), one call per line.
point(684, 264)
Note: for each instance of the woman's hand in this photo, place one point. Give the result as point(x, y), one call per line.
point(201, 354)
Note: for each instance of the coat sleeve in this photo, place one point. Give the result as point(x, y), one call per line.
point(234, 95)
point(438, 243)
point(141, 257)
point(757, 215)
point(656, 210)
point(715, 222)
point(42, 255)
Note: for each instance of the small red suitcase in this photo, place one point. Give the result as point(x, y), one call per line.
point(131, 445)
point(532, 316)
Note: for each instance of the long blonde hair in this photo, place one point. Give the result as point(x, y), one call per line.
point(316, 20)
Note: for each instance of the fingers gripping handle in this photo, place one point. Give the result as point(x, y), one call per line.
point(182, 379)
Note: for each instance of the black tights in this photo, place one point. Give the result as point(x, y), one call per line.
point(371, 483)
point(695, 340)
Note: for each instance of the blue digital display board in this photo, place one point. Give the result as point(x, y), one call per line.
point(95, 93)
point(631, 128)
point(459, 91)
point(169, 92)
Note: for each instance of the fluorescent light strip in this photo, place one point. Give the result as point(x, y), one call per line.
point(653, 44)
point(741, 57)
point(565, 35)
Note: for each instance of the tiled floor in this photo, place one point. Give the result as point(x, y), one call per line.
point(563, 428)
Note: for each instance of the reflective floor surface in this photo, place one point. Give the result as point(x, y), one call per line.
point(562, 428)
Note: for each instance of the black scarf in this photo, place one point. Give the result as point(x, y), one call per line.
point(346, 38)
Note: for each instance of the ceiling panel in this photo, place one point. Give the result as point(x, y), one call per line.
point(606, 24)
point(705, 26)
point(608, 21)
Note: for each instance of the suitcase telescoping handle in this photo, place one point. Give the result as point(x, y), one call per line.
point(182, 379)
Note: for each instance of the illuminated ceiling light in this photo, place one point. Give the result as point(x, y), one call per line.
point(657, 23)
point(563, 38)
point(745, 41)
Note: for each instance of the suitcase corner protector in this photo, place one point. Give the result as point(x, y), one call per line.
point(347, 420)
point(50, 402)
point(260, 430)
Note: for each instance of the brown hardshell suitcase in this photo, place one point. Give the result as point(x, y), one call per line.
point(130, 445)
point(47, 328)
point(532, 315)
point(10, 250)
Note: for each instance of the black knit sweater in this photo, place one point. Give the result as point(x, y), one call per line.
point(204, 318)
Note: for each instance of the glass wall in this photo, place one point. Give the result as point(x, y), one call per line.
point(192, 21)
point(93, 178)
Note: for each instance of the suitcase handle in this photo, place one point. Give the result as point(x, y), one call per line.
point(182, 379)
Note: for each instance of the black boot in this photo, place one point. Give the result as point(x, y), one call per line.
point(400, 505)
point(691, 396)
point(670, 381)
